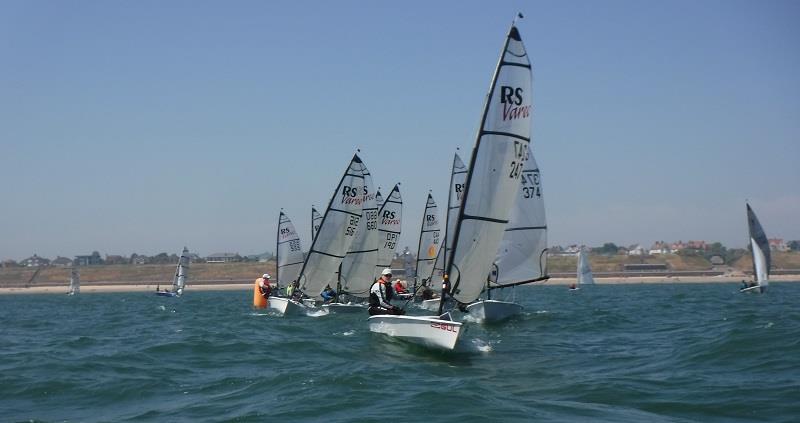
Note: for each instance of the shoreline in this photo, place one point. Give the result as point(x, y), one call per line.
point(100, 288)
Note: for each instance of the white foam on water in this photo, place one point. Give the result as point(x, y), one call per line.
point(318, 313)
point(162, 308)
point(349, 333)
point(472, 319)
point(481, 345)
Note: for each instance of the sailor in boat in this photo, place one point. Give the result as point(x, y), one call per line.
point(261, 291)
point(427, 292)
point(378, 299)
point(264, 286)
point(399, 287)
point(573, 286)
point(328, 294)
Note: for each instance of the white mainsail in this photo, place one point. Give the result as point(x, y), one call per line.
point(458, 180)
point(759, 246)
point(336, 232)
point(288, 251)
point(316, 220)
point(74, 282)
point(181, 272)
point(584, 269)
point(379, 200)
point(429, 240)
point(390, 218)
point(358, 265)
point(495, 169)
point(522, 256)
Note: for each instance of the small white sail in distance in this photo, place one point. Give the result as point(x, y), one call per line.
point(759, 246)
point(584, 268)
point(181, 272)
point(429, 240)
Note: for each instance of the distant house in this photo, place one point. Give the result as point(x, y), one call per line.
point(777, 244)
point(137, 259)
point(223, 258)
point(34, 261)
point(636, 250)
point(717, 260)
point(61, 261)
point(8, 263)
point(114, 259)
point(660, 247)
point(91, 260)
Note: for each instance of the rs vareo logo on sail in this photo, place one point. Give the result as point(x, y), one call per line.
point(511, 99)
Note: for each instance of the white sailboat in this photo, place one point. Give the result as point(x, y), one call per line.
point(289, 258)
point(492, 182)
point(336, 232)
point(358, 267)
point(759, 248)
point(458, 180)
point(316, 220)
point(522, 255)
point(584, 269)
point(74, 282)
point(179, 280)
point(390, 218)
point(429, 240)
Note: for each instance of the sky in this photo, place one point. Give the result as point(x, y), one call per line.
point(141, 127)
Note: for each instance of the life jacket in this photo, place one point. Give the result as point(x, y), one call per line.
point(374, 300)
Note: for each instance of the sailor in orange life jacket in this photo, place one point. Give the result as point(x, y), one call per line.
point(378, 302)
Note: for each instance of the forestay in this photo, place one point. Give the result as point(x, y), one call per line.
point(522, 255)
point(336, 232)
point(429, 240)
point(181, 272)
point(760, 248)
point(584, 269)
point(316, 220)
point(359, 264)
point(289, 251)
point(458, 178)
point(390, 218)
point(495, 169)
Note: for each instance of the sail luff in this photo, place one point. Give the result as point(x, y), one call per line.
point(494, 171)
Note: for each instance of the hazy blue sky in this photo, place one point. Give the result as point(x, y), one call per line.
point(145, 126)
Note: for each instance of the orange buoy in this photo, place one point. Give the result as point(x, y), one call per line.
point(258, 300)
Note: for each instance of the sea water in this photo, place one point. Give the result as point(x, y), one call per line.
point(621, 353)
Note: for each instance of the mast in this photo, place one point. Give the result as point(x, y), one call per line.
point(494, 171)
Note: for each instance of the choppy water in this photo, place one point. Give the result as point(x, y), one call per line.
point(635, 353)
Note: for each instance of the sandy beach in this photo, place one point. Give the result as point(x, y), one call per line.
point(99, 288)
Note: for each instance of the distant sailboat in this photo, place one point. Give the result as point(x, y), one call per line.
point(584, 269)
point(336, 232)
point(179, 280)
point(492, 182)
point(74, 282)
point(289, 258)
point(429, 241)
point(759, 249)
point(458, 180)
point(522, 255)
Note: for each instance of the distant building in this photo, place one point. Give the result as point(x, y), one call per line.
point(61, 261)
point(777, 244)
point(114, 259)
point(636, 250)
point(223, 258)
point(717, 260)
point(8, 263)
point(34, 261)
point(660, 247)
point(137, 259)
point(93, 259)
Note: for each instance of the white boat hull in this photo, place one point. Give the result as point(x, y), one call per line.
point(344, 308)
point(285, 306)
point(493, 311)
point(428, 331)
point(432, 305)
point(754, 289)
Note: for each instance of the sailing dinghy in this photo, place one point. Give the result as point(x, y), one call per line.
point(458, 179)
point(429, 240)
point(492, 182)
point(358, 266)
point(759, 249)
point(179, 280)
point(522, 256)
point(336, 233)
point(74, 282)
point(289, 258)
point(584, 269)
